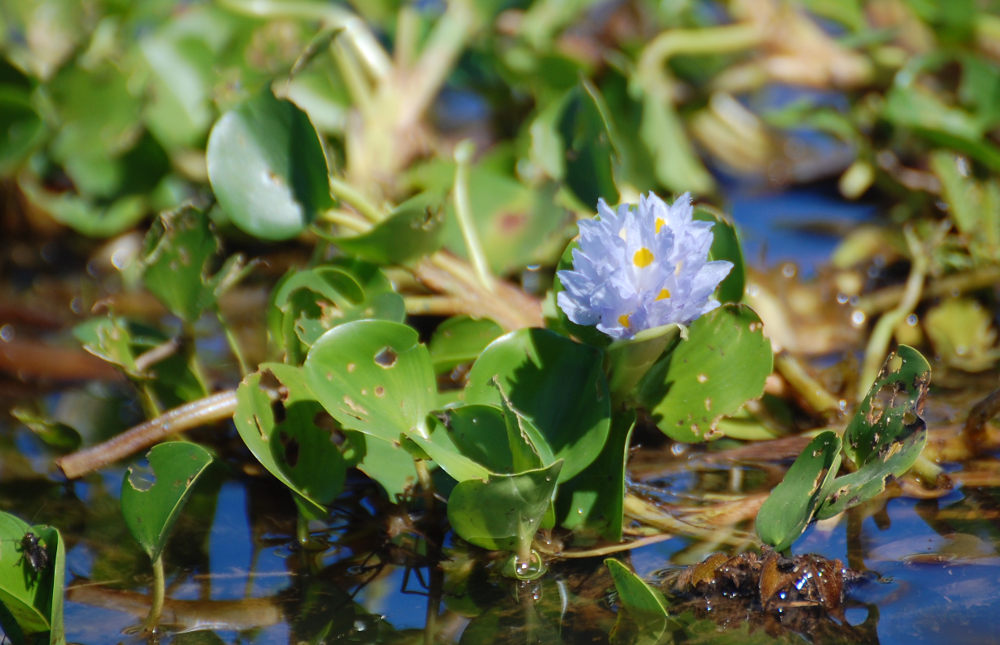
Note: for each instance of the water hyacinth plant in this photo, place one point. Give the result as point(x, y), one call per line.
point(642, 266)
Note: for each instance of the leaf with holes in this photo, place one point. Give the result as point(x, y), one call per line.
point(152, 497)
point(791, 505)
point(373, 376)
point(290, 445)
point(557, 385)
point(719, 367)
point(886, 434)
point(32, 569)
point(267, 167)
point(503, 512)
point(177, 250)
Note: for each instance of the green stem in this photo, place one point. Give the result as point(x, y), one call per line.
point(878, 342)
point(463, 212)
point(711, 40)
point(346, 219)
point(348, 193)
point(355, 29)
point(159, 592)
point(444, 45)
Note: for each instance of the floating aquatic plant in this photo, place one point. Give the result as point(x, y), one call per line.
point(641, 266)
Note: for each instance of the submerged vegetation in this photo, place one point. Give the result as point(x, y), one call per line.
point(340, 263)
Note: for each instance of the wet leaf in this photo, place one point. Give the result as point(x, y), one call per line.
point(886, 434)
point(292, 447)
point(721, 365)
point(791, 505)
point(32, 594)
point(643, 618)
point(153, 497)
point(267, 167)
point(373, 376)
point(556, 384)
point(504, 511)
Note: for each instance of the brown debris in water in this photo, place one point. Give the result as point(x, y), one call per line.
point(770, 579)
point(800, 596)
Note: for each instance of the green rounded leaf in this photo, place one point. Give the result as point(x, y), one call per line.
point(373, 376)
point(33, 597)
point(267, 167)
point(152, 497)
point(791, 505)
point(721, 365)
point(503, 512)
point(556, 384)
point(299, 453)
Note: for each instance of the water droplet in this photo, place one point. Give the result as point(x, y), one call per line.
point(857, 318)
point(911, 320)
point(788, 269)
point(842, 298)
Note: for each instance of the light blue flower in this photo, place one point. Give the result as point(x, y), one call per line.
point(641, 266)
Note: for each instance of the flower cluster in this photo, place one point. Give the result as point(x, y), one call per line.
point(641, 266)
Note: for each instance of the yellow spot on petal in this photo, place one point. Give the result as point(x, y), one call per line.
point(624, 321)
point(659, 224)
point(643, 258)
point(677, 269)
point(664, 294)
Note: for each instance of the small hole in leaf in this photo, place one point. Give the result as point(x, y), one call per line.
point(386, 357)
point(290, 446)
point(141, 477)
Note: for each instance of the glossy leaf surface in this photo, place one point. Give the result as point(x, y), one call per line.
point(267, 167)
point(152, 497)
point(299, 453)
point(721, 365)
point(33, 596)
point(504, 511)
point(555, 383)
point(373, 376)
